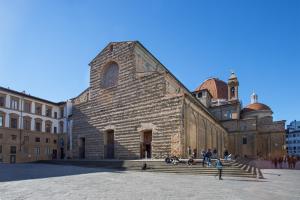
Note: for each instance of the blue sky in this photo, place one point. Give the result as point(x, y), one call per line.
point(45, 46)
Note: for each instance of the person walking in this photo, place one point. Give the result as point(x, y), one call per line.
point(226, 154)
point(219, 166)
point(203, 158)
point(275, 162)
point(208, 157)
point(289, 160)
point(294, 161)
point(280, 160)
point(189, 150)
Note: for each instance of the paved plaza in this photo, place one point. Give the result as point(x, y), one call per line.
point(41, 181)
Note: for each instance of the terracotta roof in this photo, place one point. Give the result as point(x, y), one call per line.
point(217, 88)
point(256, 107)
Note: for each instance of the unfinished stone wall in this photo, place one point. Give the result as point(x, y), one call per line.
point(140, 97)
point(147, 97)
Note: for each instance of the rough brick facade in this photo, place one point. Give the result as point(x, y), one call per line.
point(147, 97)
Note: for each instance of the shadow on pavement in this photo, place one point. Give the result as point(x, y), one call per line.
point(18, 172)
point(246, 180)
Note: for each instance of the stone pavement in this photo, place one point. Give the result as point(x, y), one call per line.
point(41, 181)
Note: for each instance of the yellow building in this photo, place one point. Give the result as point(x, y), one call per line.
point(31, 128)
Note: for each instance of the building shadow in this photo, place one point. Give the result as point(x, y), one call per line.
point(19, 172)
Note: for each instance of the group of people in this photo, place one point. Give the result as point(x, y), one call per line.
point(206, 155)
point(285, 162)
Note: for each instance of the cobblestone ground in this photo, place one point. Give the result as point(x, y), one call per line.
point(40, 181)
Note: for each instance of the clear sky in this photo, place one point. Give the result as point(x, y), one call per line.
point(45, 46)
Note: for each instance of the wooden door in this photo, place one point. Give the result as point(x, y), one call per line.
point(110, 145)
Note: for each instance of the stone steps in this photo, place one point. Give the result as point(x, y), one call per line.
point(230, 168)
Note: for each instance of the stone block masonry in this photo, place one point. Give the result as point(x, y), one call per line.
point(142, 97)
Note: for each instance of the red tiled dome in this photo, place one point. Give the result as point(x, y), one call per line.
point(256, 107)
point(217, 88)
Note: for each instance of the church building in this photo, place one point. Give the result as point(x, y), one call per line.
point(251, 130)
point(136, 108)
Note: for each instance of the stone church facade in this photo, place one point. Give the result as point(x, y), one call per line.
point(135, 108)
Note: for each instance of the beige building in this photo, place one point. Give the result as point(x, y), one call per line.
point(252, 131)
point(31, 128)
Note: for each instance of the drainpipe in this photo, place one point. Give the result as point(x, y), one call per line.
point(21, 123)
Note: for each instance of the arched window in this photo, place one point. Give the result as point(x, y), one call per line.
point(228, 115)
point(232, 91)
point(110, 75)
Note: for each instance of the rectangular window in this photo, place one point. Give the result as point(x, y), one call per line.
point(244, 140)
point(27, 106)
point(47, 151)
point(1, 136)
point(48, 128)
point(55, 129)
point(25, 149)
point(2, 101)
point(38, 126)
point(37, 139)
point(13, 122)
point(1, 121)
point(13, 149)
point(0, 149)
point(61, 112)
point(48, 111)
point(13, 137)
point(228, 114)
point(55, 115)
point(47, 140)
point(14, 103)
point(27, 124)
point(38, 109)
point(37, 150)
point(54, 142)
point(26, 139)
point(61, 127)
point(200, 95)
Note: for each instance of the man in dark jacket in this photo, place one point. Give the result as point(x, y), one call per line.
point(208, 157)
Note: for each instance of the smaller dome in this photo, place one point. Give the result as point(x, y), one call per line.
point(256, 107)
point(216, 87)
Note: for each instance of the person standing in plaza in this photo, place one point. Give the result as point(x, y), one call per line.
point(280, 160)
point(203, 158)
point(294, 161)
point(226, 154)
point(189, 151)
point(208, 157)
point(219, 166)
